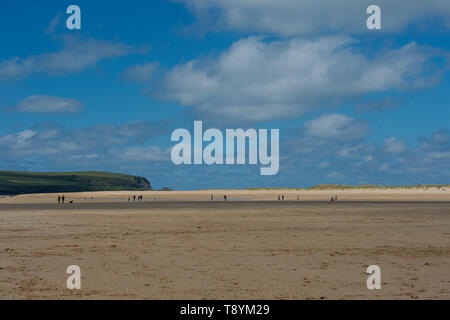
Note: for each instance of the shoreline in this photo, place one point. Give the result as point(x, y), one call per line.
point(349, 195)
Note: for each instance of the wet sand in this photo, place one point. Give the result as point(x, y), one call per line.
point(380, 195)
point(171, 248)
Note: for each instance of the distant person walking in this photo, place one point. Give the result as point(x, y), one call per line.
point(212, 198)
point(59, 199)
point(279, 197)
point(134, 198)
point(225, 197)
point(282, 197)
point(63, 198)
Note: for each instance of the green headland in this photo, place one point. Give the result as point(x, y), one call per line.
point(14, 182)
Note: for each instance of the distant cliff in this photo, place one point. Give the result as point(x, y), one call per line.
point(13, 183)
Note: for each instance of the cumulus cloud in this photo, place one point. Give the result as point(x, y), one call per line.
point(258, 80)
point(350, 152)
point(53, 24)
point(439, 141)
point(388, 103)
point(323, 165)
point(311, 17)
point(140, 73)
point(75, 56)
point(99, 142)
point(25, 135)
point(336, 126)
point(47, 104)
point(334, 175)
point(109, 134)
point(141, 154)
point(354, 162)
point(128, 148)
point(393, 145)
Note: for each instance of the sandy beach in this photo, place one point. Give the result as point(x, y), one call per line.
point(381, 195)
point(180, 245)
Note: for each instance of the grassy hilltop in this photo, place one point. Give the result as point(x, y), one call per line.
point(12, 183)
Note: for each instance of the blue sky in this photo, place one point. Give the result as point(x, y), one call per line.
point(353, 106)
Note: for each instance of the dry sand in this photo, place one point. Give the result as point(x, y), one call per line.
point(409, 195)
point(178, 245)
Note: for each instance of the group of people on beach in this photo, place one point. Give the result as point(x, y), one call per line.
point(61, 199)
point(224, 197)
point(134, 197)
point(281, 198)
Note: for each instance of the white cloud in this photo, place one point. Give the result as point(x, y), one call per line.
point(140, 73)
point(323, 165)
point(23, 136)
point(439, 155)
point(258, 80)
point(393, 145)
point(439, 141)
point(368, 162)
point(334, 175)
point(312, 17)
point(75, 56)
point(349, 152)
point(141, 154)
point(52, 143)
point(47, 104)
point(53, 24)
point(388, 103)
point(337, 127)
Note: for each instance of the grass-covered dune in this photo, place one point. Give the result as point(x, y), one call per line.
point(360, 187)
point(13, 183)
